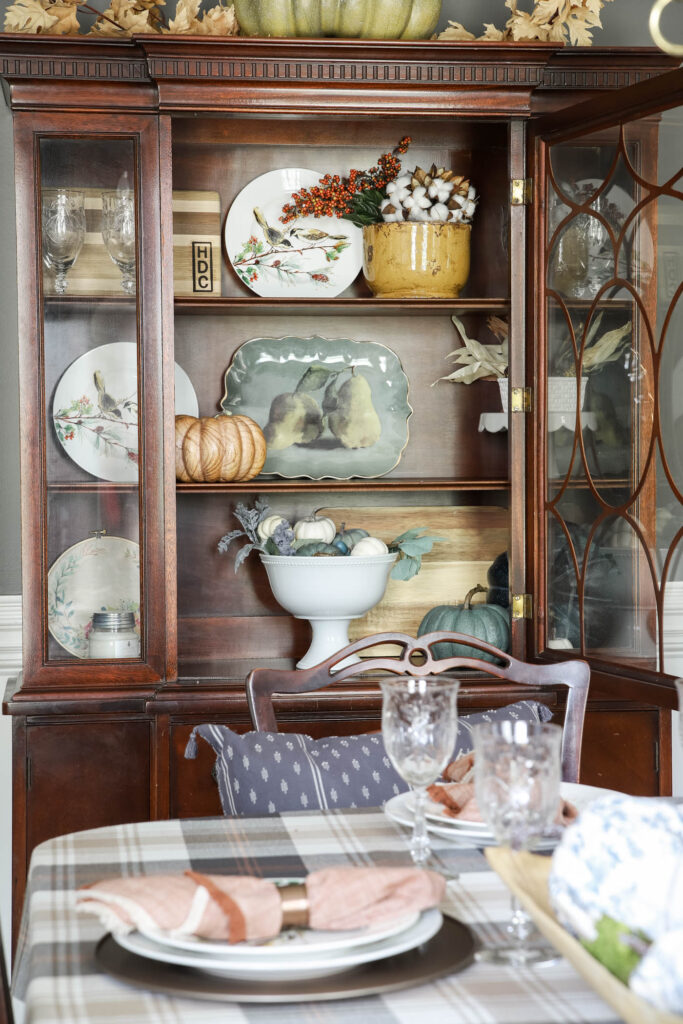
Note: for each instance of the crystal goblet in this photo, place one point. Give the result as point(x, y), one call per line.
point(517, 774)
point(419, 728)
point(118, 233)
point(63, 225)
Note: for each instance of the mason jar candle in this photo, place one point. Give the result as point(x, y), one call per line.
point(113, 636)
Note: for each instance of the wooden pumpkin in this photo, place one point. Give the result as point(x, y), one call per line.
point(487, 622)
point(362, 19)
point(218, 448)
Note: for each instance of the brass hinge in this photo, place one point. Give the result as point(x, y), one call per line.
point(521, 192)
point(520, 399)
point(522, 606)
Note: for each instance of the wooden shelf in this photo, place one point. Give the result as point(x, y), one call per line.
point(353, 306)
point(321, 486)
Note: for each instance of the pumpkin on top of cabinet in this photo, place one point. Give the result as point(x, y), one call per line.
point(363, 19)
point(487, 622)
point(209, 449)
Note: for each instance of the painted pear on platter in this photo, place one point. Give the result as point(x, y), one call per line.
point(354, 420)
point(294, 418)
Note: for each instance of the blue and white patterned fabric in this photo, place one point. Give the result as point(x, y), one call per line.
point(624, 858)
point(271, 773)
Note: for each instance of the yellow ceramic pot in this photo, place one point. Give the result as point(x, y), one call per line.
point(402, 259)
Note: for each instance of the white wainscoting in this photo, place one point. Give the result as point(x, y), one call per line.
point(10, 664)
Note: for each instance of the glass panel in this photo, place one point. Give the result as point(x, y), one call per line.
point(92, 397)
point(614, 313)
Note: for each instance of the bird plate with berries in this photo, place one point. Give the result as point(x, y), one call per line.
point(310, 257)
point(95, 410)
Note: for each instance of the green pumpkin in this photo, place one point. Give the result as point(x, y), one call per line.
point(487, 622)
point(317, 547)
point(362, 19)
point(346, 539)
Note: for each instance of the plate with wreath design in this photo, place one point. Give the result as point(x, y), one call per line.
point(310, 257)
point(100, 574)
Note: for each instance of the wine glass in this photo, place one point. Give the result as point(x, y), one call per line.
point(419, 728)
point(63, 223)
point(517, 785)
point(118, 233)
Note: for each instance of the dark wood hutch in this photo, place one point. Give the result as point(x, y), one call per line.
point(100, 742)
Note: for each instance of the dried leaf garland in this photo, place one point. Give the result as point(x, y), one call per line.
point(557, 21)
point(121, 18)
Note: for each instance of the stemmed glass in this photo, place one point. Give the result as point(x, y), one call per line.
point(517, 785)
point(118, 233)
point(63, 223)
point(419, 728)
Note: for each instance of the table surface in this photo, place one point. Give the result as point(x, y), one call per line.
point(58, 978)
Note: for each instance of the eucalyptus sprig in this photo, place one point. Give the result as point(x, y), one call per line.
point(411, 546)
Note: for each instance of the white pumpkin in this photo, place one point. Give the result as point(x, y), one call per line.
point(315, 528)
point(368, 546)
point(266, 528)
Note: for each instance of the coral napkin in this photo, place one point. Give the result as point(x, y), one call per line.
point(237, 908)
point(458, 798)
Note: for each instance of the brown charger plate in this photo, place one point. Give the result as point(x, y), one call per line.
point(450, 950)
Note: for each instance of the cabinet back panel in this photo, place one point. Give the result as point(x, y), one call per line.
point(422, 346)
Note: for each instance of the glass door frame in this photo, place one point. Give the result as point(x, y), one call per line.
point(38, 672)
point(622, 106)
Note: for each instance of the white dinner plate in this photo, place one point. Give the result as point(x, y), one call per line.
point(290, 264)
point(290, 942)
point(95, 410)
point(307, 964)
point(400, 809)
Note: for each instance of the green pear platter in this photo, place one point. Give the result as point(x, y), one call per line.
point(332, 409)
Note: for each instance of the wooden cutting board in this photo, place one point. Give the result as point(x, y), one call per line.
point(474, 536)
point(196, 249)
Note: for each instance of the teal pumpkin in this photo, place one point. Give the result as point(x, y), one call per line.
point(362, 19)
point(487, 622)
point(317, 547)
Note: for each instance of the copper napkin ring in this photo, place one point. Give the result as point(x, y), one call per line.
point(294, 905)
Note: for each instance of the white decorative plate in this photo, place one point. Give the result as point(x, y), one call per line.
point(99, 574)
point(95, 410)
point(300, 392)
point(309, 963)
point(310, 257)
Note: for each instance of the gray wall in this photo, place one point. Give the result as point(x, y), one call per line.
point(625, 24)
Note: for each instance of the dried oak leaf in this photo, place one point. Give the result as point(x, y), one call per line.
point(127, 18)
point(456, 31)
point(28, 16)
point(186, 17)
point(219, 21)
point(491, 32)
point(67, 22)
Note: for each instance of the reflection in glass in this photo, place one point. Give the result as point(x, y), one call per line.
point(63, 222)
point(118, 233)
point(569, 262)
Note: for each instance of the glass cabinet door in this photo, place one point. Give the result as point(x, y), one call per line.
point(613, 409)
point(92, 360)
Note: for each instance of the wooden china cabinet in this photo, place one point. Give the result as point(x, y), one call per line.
point(577, 235)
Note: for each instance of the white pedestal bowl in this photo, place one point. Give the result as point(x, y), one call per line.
point(329, 592)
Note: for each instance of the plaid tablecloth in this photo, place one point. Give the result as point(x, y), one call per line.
point(57, 975)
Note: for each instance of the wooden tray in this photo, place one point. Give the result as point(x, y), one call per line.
point(196, 249)
point(526, 875)
point(475, 535)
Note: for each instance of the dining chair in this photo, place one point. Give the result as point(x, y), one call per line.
point(417, 657)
